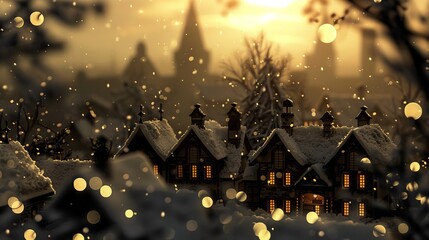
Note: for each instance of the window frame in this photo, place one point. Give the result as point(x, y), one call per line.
point(346, 208)
point(361, 181)
point(278, 158)
point(271, 176)
point(208, 172)
point(194, 171)
point(193, 152)
point(156, 169)
point(179, 171)
point(288, 206)
point(345, 180)
point(271, 205)
point(362, 209)
point(288, 176)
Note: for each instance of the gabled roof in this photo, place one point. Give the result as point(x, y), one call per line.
point(208, 136)
point(308, 145)
point(158, 133)
point(318, 169)
point(287, 141)
point(374, 140)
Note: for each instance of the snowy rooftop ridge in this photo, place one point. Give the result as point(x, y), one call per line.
point(307, 144)
point(158, 133)
point(20, 176)
point(209, 136)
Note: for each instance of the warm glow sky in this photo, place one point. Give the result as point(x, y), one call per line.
point(108, 42)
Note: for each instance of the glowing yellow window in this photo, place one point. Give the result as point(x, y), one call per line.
point(287, 178)
point(155, 169)
point(317, 209)
point(179, 171)
point(194, 171)
point(361, 181)
point(208, 172)
point(271, 178)
point(362, 209)
point(346, 180)
point(271, 205)
point(346, 208)
point(287, 206)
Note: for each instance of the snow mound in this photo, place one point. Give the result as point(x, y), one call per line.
point(60, 171)
point(19, 174)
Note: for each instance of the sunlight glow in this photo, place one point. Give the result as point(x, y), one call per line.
point(270, 3)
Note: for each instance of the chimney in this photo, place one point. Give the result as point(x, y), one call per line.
point(197, 116)
point(363, 118)
point(287, 116)
point(234, 125)
point(327, 120)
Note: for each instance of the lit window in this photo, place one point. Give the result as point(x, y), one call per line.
point(287, 206)
point(346, 208)
point(346, 180)
point(271, 205)
point(208, 171)
point(287, 178)
point(194, 171)
point(361, 209)
point(278, 156)
point(361, 181)
point(155, 169)
point(317, 209)
point(193, 154)
point(271, 178)
point(179, 171)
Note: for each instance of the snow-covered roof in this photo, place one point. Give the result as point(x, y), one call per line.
point(19, 175)
point(307, 144)
point(158, 133)
point(374, 140)
point(210, 136)
point(318, 169)
point(287, 141)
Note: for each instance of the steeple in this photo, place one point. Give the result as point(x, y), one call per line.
point(191, 58)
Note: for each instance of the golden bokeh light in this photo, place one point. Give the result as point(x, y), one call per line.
point(207, 202)
point(403, 228)
point(191, 225)
point(106, 191)
point(78, 236)
point(230, 193)
point(379, 231)
point(312, 217)
point(30, 234)
point(413, 110)
point(241, 196)
point(15, 205)
point(327, 33)
point(265, 235)
point(259, 228)
point(365, 160)
point(415, 166)
point(129, 213)
point(37, 18)
point(19, 22)
point(93, 217)
point(278, 214)
point(95, 183)
point(79, 184)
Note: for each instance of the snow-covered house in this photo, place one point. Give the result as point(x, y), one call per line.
point(23, 186)
point(209, 156)
point(325, 169)
point(154, 138)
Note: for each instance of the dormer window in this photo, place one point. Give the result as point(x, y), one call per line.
point(279, 159)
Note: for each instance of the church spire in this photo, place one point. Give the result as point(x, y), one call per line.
point(191, 58)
